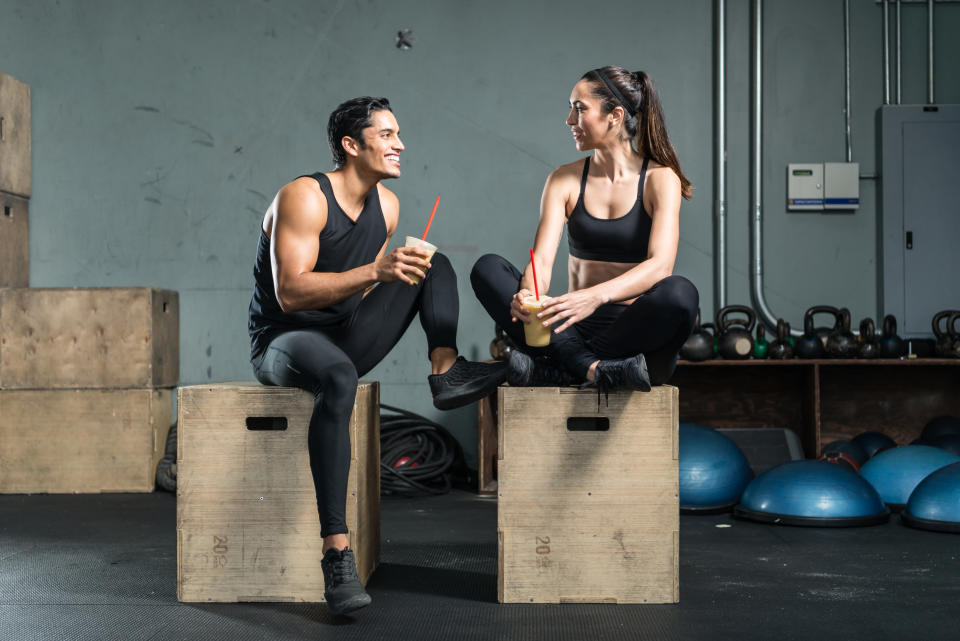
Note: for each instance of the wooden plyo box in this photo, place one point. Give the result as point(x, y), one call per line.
point(89, 338)
point(588, 507)
point(14, 241)
point(80, 441)
point(15, 153)
point(247, 522)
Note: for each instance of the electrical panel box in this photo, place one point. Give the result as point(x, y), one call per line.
point(841, 185)
point(917, 258)
point(805, 186)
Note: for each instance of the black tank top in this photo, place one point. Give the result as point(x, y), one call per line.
point(613, 240)
point(344, 245)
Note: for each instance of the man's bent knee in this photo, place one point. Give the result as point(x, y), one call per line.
point(337, 383)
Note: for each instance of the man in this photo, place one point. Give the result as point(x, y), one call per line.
point(329, 303)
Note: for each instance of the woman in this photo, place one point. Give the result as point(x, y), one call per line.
point(626, 315)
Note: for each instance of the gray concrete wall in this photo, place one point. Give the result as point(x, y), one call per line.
point(162, 130)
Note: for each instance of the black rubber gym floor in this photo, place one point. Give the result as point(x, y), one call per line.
point(104, 567)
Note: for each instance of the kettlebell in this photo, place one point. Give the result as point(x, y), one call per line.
point(735, 341)
point(781, 349)
point(868, 346)
point(712, 329)
point(891, 345)
point(841, 342)
point(954, 334)
point(760, 344)
point(946, 338)
point(699, 345)
point(501, 346)
point(811, 345)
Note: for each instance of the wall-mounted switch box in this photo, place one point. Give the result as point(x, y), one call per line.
point(805, 186)
point(841, 185)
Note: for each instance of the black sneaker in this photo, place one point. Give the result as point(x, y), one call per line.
point(465, 382)
point(341, 583)
point(527, 371)
point(620, 373)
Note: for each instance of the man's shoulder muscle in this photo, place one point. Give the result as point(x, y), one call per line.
point(302, 204)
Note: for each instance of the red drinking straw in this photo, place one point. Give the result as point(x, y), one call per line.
point(533, 266)
point(431, 218)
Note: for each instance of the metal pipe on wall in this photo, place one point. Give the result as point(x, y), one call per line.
point(886, 53)
point(899, 67)
point(720, 161)
point(846, 75)
point(930, 99)
point(756, 180)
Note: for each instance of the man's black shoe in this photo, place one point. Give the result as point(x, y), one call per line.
point(465, 382)
point(527, 371)
point(341, 584)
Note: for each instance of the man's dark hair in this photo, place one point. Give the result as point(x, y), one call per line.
point(350, 119)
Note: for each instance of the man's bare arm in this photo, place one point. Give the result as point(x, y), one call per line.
point(301, 214)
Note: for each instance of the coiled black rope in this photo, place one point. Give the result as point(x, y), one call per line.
point(430, 450)
point(432, 454)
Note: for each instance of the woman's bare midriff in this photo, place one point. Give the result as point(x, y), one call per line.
point(585, 273)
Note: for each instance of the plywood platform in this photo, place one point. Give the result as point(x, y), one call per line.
point(587, 497)
point(247, 522)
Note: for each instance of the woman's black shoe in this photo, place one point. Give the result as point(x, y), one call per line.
point(527, 371)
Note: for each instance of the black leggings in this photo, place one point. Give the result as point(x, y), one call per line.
point(655, 325)
point(328, 362)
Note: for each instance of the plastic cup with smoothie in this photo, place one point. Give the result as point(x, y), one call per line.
point(412, 241)
point(534, 332)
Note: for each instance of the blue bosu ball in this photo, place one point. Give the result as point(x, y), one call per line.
point(935, 504)
point(948, 442)
point(939, 426)
point(813, 493)
point(895, 473)
point(847, 446)
point(874, 442)
point(844, 451)
point(713, 470)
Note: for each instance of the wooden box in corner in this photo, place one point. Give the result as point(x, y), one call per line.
point(104, 338)
point(82, 440)
point(14, 241)
point(15, 145)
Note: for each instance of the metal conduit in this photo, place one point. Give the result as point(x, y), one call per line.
point(846, 75)
point(930, 99)
point(756, 180)
point(720, 161)
point(899, 66)
point(886, 53)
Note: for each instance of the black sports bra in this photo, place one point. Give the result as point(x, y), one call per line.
point(613, 240)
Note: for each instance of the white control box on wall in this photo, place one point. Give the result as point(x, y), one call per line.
point(841, 185)
point(823, 186)
point(805, 186)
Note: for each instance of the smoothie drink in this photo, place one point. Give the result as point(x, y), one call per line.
point(422, 244)
point(534, 332)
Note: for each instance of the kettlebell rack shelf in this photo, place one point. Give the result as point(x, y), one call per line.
point(820, 399)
